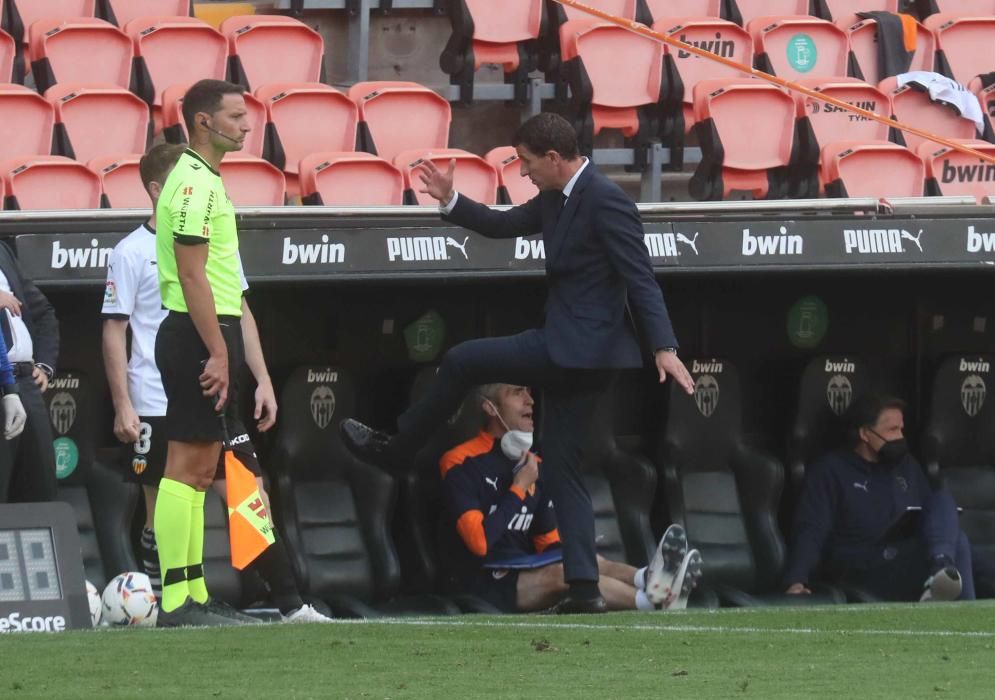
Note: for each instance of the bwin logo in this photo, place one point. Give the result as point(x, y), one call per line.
point(312, 253)
point(62, 411)
point(522, 521)
point(972, 394)
point(839, 393)
point(706, 394)
point(322, 406)
point(324, 375)
point(976, 366)
point(709, 367)
point(978, 241)
point(94, 256)
point(529, 250)
point(780, 244)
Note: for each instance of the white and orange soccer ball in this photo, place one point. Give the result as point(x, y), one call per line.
point(93, 599)
point(128, 600)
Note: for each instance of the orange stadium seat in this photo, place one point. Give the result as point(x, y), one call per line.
point(513, 187)
point(872, 169)
point(559, 14)
point(23, 13)
point(27, 125)
point(474, 177)
point(743, 12)
point(97, 120)
point(400, 116)
point(838, 9)
point(253, 182)
point(8, 51)
point(120, 182)
point(303, 118)
point(626, 9)
point(967, 8)
point(863, 36)
point(172, 51)
point(666, 10)
point(963, 45)
point(336, 178)
point(49, 182)
point(912, 107)
point(605, 97)
point(951, 172)
point(684, 69)
point(79, 50)
point(267, 49)
point(739, 158)
point(820, 123)
point(799, 47)
point(120, 12)
point(175, 130)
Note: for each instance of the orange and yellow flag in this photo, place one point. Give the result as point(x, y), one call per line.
point(249, 526)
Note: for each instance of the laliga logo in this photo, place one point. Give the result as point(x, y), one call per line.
point(62, 411)
point(839, 393)
point(322, 406)
point(706, 394)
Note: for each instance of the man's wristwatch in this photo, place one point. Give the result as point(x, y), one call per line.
point(49, 372)
point(667, 349)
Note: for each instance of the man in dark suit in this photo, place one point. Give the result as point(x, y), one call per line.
point(597, 267)
point(31, 331)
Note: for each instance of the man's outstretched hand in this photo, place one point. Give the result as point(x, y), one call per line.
point(669, 365)
point(438, 184)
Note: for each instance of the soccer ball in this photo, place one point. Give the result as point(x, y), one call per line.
point(93, 598)
point(128, 600)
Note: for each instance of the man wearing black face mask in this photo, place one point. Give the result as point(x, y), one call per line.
point(850, 499)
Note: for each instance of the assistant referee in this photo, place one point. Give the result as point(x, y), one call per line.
point(199, 344)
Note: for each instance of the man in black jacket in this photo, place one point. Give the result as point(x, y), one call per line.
point(31, 331)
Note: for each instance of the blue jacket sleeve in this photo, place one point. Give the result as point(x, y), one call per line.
point(524, 220)
point(813, 524)
point(6, 370)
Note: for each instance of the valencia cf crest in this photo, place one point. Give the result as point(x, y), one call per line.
point(839, 393)
point(972, 394)
point(62, 411)
point(322, 406)
point(706, 394)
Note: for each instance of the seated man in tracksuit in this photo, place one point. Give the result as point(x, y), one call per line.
point(501, 541)
point(852, 499)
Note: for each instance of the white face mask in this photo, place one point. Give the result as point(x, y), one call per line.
point(514, 443)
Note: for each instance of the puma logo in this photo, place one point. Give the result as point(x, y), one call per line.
point(915, 239)
point(689, 242)
point(462, 248)
point(858, 485)
point(492, 482)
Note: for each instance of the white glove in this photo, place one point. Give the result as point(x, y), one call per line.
point(14, 416)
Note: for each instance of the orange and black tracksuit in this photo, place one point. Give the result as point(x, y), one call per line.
point(488, 520)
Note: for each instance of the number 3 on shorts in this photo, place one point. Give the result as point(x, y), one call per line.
point(144, 443)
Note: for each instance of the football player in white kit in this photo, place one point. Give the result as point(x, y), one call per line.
point(132, 299)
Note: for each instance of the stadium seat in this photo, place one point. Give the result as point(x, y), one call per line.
point(837, 9)
point(723, 491)
point(963, 45)
point(253, 182)
point(799, 47)
point(950, 172)
point(513, 188)
point(742, 12)
point(485, 32)
point(303, 118)
point(684, 70)
point(966, 8)
point(103, 502)
point(664, 11)
point(266, 49)
point(19, 15)
point(820, 123)
point(96, 120)
point(828, 385)
point(334, 178)
point(120, 182)
point(79, 50)
point(174, 129)
point(27, 123)
point(8, 51)
point(602, 96)
point(49, 182)
point(120, 12)
point(475, 177)
point(864, 62)
point(958, 444)
point(878, 169)
point(914, 108)
point(986, 97)
point(734, 158)
point(559, 14)
point(173, 51)
point(400, 116)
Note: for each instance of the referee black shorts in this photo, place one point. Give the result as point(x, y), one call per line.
point(180, 355)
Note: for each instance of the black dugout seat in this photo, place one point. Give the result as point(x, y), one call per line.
point(104, 503)
point(724, 492)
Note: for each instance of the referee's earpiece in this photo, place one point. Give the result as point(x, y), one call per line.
point(203, 123)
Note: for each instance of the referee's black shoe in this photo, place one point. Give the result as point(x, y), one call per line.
point(365, 443)
point(192, 614)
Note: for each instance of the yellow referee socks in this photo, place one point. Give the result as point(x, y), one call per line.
point(172, 528)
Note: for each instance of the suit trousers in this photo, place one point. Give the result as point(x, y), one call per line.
point(30, 470)
point(569, 399)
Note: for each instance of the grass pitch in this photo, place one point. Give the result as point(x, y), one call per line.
point(894, 651)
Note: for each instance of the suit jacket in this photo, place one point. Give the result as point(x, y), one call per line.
point(596, 260)
point(37, 312)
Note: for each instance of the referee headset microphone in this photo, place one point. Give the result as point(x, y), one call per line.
point(203, 123)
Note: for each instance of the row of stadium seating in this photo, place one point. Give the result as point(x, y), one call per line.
point(337, 512)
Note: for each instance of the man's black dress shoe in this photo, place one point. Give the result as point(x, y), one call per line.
point(365, 443)
point(576, 606)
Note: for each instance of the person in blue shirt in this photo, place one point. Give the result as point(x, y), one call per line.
point(852, 498)
point(500, 535)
